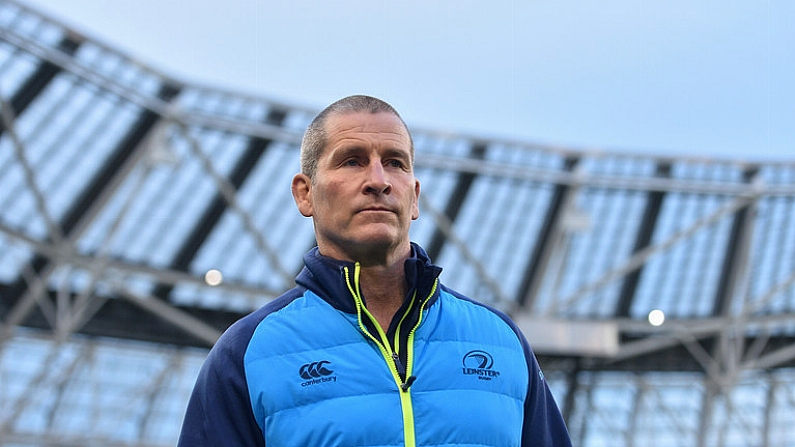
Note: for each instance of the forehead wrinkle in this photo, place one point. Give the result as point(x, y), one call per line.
point(391, 141)
point(361, 132)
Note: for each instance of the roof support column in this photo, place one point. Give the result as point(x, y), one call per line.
point(732, 287)
point(459, 194)
point(40, 79)
point(573, 386)
point(643, 238)
point(545, 247)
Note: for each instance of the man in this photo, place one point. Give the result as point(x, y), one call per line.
point(369, 349)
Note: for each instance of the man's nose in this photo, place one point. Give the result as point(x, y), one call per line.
point(377, 181)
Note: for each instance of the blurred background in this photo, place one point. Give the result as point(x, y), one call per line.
point(620, 178)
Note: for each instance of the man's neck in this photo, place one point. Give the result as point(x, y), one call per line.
point(382, 277)
point(384, 289)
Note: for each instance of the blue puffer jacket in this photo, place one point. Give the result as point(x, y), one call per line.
point(312, 368)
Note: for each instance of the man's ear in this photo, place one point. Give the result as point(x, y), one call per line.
point(415, 212)
point(302, 194)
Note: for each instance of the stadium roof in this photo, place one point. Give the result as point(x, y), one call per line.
point(123, 191)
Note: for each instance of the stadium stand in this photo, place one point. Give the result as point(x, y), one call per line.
point(140, 215)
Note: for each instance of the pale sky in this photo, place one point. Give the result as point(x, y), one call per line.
point(703, 78)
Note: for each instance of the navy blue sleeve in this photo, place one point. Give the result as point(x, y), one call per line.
point(219, 412)
point(543, 423)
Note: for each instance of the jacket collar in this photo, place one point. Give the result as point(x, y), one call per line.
point(325, 277)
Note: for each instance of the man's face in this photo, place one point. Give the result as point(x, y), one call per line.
point(364, 195)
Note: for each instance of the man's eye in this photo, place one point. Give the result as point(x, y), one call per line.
point(395, 163)
point(351, 162)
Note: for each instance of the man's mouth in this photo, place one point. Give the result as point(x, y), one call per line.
point(376, 209)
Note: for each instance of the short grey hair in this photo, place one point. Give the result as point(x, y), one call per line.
point(316, 137)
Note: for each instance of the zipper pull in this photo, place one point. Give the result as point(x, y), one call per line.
point(401, 369)
point(407, 383)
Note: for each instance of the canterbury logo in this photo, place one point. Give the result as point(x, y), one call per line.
point(315, 370)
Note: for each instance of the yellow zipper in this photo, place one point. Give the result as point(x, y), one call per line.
point(408, 409)
point(389, 353)
point(382, 342)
